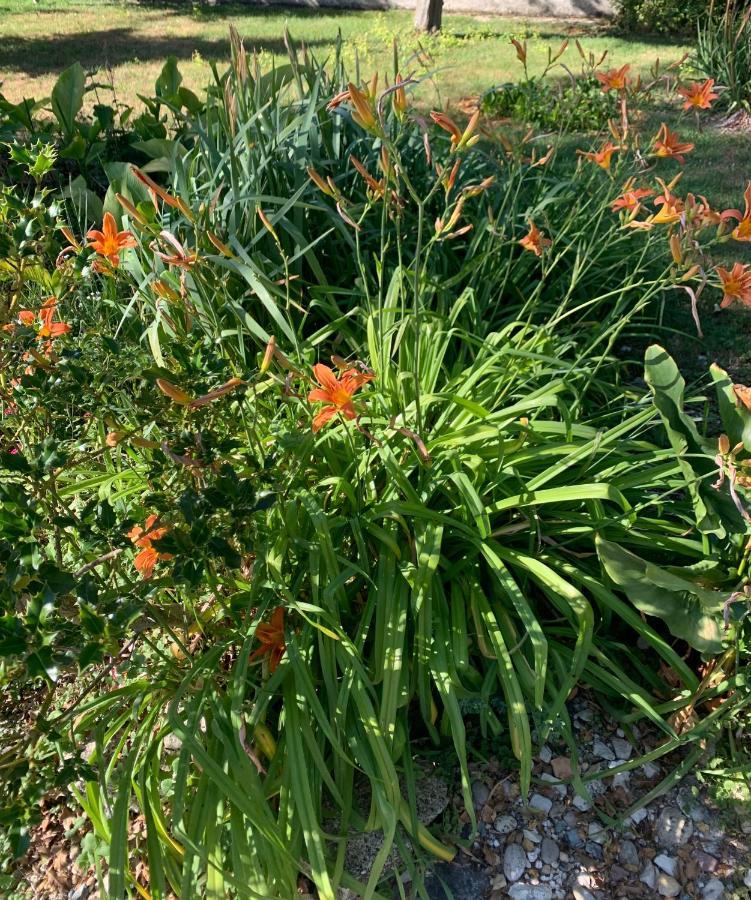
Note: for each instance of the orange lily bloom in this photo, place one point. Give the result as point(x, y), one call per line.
point(668, 144)
point(615, 79)
point(459, 139)
point(742, 231)
point(271, 638)
point(109, 241)
point(336, 392)
point(631, 198)
point(736, 284)
point(602, 157)
point(149, 556)
point(698, 96)
point(47, 328)
point(535, 240)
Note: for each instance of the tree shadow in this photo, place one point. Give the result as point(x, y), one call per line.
point(40, 55)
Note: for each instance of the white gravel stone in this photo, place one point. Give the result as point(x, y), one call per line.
point(505, 824)
point(580, 893)
point(560, 789)
point(602, 751)
point(545, 754)
point(581, 804)
point(597, 832)
point(714, 889)
point(623, 749)
point(530, 892)
point(649, 876)
point(549, 851)
point(514, 862)
point(673, 828)
point(667, 886)
point(543, 804)
point(639, 816)
point(533, 836)
point(666, 863)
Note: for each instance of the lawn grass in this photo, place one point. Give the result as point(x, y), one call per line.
point(123, 44)
point(126, 43)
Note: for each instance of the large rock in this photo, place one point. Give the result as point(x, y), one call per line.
point(450, 881)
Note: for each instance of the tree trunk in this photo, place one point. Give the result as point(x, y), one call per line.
point(428, 15)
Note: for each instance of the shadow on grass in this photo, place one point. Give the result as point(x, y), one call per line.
point(40, 55)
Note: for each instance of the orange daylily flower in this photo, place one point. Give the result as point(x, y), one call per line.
point(459, 139)
point(631, 198)
point(602, 157)
point(47, 329)
point(615, 79)
point(149, 556)
point(736, 284)
point(336, 392)
point(698, 96)
point(668, 144)
point(742, 231)
point(109, 241)
point(399, 96)
point(535, 240)
point(271, 638)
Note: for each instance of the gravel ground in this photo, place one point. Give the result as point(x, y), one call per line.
point(682, 845)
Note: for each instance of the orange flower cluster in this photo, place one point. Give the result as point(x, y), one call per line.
point(46, 329)
point(149, 556)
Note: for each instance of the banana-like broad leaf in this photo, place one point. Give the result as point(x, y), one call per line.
point(691, 612)
point(67, 98)
point(667, 386)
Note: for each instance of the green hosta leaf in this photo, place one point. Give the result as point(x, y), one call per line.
point(736, 419)
point(691, 612)
point(667, 386)
point(67, 97)
point(169, 81)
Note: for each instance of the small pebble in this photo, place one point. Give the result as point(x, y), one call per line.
point(667, 886)
point(714, 889)
point(530, 892)
point(534, 836)
point(623, 749)
point(480, 793)
point(505, 824)
point(666, 863)
point(543, 804)
point(581, 804)
point(673, 828)
point(601, 750)
point(649, 876)
point(545, 754)
point(629, 855)
point(514, 862)
point(593, 849)
point(597, 833)
point(706, 862)
point(580, 893)
point(638, 816)
point(549, 851)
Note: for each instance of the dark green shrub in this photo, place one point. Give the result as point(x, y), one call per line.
point(659, 16)
point(576, 105)
point(723, 51)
